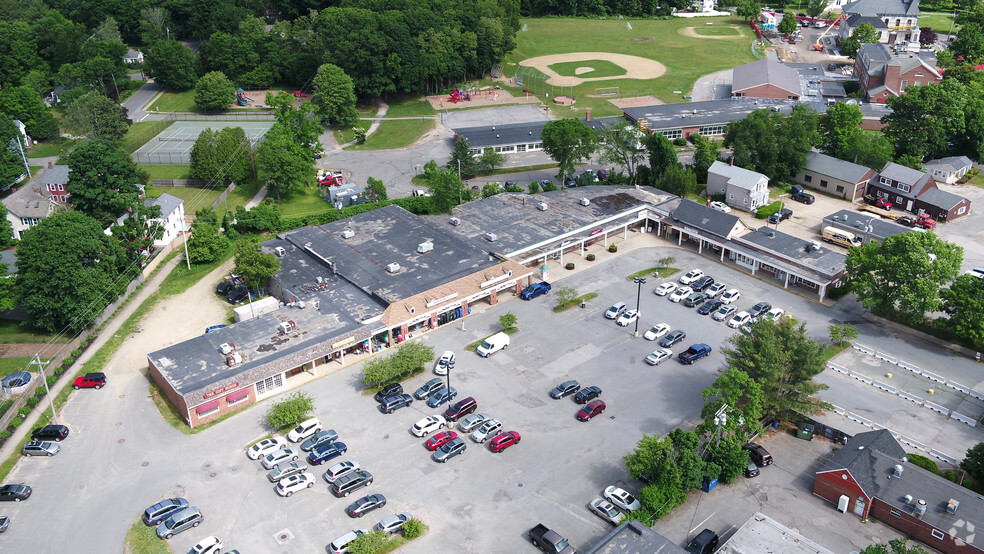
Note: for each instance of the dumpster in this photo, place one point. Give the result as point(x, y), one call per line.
point(709, 485)
point(805, 431)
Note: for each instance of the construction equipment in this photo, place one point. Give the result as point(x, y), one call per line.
point(327, 178)
point(819, 45)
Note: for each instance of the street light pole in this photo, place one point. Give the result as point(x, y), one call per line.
point(450, 367)
point(638, 281)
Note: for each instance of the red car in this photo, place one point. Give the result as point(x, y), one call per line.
point(591, 410)
point(503, 441)
point(90, 381)
point(440, 440)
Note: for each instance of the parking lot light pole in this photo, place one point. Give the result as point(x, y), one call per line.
point(638, 281)
point(450, 366)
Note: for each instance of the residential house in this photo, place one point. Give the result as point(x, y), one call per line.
point(766, 79)
point(834, 176)
point(916, 192)
point(55, 181)
point(884, 72)
point(743, 189)
point(172, 218)
point(26, 207)
point(133, 56)
point(948, 170)
point(871, 478)
point(897, 21)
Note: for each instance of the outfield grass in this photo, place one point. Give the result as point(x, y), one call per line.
point(175, 102)
point(939, 22)
point(53, 147)
point(686, 58)
point(599, 68)
point(142, 131)
point(167, 171)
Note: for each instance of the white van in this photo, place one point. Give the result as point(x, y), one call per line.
point(493, 344)
point(843, 238)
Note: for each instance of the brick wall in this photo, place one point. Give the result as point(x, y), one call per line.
point(831, 485)
point(918, 529)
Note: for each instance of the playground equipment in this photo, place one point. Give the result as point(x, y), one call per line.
point(241, 98)
point(819, 45)
point(457, 95)
point(299, 94)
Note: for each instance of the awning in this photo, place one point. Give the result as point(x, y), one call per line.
point(207, 407)
point(238, 395)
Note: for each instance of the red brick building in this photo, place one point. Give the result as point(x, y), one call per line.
point(766, 79)
point(883, 72)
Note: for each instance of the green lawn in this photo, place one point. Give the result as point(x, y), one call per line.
point(167, 171)
point(686, 58)
point(10, 365)
point(14, 332)
point(306, 201)
point(141, 132)
point(142, 539)
point(410, 107)
point(53, 147)
point(194, 198)
point(939, 22)
point(175, 102)
point(398, 133)
point(599, 68)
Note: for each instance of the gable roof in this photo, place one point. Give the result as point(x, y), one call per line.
point(951, 163)
point(901, 173)
point(737, 176)
point(766, 72)
point(836, 167)
point(28, 203)
point(56, 175)
point(876, 57)
point(167, 203)
point(856, 20)
point(883, 7)
point(858, 457)
point(941, 198)
point(692, 214)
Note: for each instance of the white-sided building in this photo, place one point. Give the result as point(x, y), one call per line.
point(743, 189)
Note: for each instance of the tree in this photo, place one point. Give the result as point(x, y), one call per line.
point(927, 36)
point(171, 64)
point(154, 24)
point(566, 296)
point(679, 181)
point(102, 180)
point(445, 187)
point(963, 302)
point(370, 543)
point(462, 159)
point(296, 121)
point(290, 411)
point(729, 457)
point(895, 546)
point(788, 25)
point(662, 154)
point(490, 159)
point(865, 33)
point(621, 145)
point(926, 119)
point(409, 358)
point(206, 245)
point(253, 265)
point(748, 9)
point(842, 333)
point(705, 154)
point(783, 360)
point(214, 92)
point(138, 231)
point(221, 156)
point(375, 190)
point(969, 44)
point(334, 96)
point(815, 7)
point(24, 104)
point(839, 130)
point(567, 142)
point(904, 273)
point(871, 150)
point(260, 219)
point(11, 163)
point(67, 247)
point(97, 117)
point(771, 143)
point(507, 321)
point(284, 164)
point(491, 189)
point(743, 401)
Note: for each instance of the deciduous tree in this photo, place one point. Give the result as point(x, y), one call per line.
point(214, 92)
point(97, 117)
point(963, 302)
point(621, 144)
point(865, 33)
point(815, 7)
point(334, 96)
point(291, 410)
point(839, 130)
point(445, 187)
point(927, 36)
point(171, 64)
point(678, 180)
point(705, 154)
point(375, 190)
point(284, 164)
point(253, 265)
point(138, 231)
point(969, 44)
point(788, 25)
point(296, 121)
point(567, 142)
point(102, 181)
point(841, 333)
point(490, 159)
point(24, 104)
point(11, 162)
point(926, 119)
point(742, 399)
point(206, 245)
point(771, 143)
point(662, 155)
point(872, 150)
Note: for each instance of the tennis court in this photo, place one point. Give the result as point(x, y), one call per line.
point(173, 145)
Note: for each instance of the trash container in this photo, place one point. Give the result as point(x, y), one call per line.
point(805, 431)
point(709, 485)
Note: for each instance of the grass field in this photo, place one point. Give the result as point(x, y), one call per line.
point(194, 198)
point(175, 102)
point(939, 22)
point(142, 131)
point(398, 133)
point(686, 58)
point(599, 68)
point(306, 201)
point(53, 147)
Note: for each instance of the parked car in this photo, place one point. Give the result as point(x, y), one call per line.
point(721, 207)
point(50, 433)
point(739, 319)
point(503, 441)
point(395, 402)
point(564, 389)
point(616, 310)
point(319, 438)
point(365, 505)
point(264, 447)
point(607, 511)
point(695, 299)
point(299, 481)
point(622, 498)
point(392, 524)
point(486, 430)
point(460, 409)
point(730, 296)
point(775, 314)
point(351, 481)
point(157, 513)
point(428, 388)
point(694, 353)
point(274, 459)
point(450, 450)
point(442, 396)
point(428, 424)
point(208, 545)
point(680, 294)
point(724, 312)
point(782, 214)
point(472, 422)
point(591, 409)
point(798, 194)
point(285, 471)
point(534, 290)
point(666, 288)
point(305, 430)
point(715, 290)
point(703, 283)
point(40, 448)
point(656, 331)
point(445, 362)
point(340, 469)
point(658, 356)
point(90, 381)
point(587, 394)
point(710, 306)
point(627, 318)
point(340, 545)
point(704, 543)
point(237, 294)
point(691, 276)
point(388, 390)
point(758, 454)
point(759, 309)
point(752, 470)
point(327, 452)
point(179, 521)
point(440, 439)
point(672, 338)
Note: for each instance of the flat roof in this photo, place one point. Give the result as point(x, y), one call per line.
point(711, 112)
point(635, 538)
point(761, 533)
point(519, 133)
point(791, 253)
point(857, 221)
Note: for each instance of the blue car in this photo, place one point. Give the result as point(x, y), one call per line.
point(442, 396)
point(534, 290)
point(324, 452)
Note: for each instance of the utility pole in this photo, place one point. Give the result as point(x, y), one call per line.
point(37, 361)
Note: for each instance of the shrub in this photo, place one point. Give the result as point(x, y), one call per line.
point(508, 321)
point(413, 528)
point(50, 380)
point(570, 265)
point(76, 353)
point(368, 543)
point(613, 248)
point(924, 462)
point(24, 411)
point(5, 434)
point(534, 187)
point(16, 422)
point(549, 187)
point(590, 257)
point(765, 211)
point(679, 141)
point(33, 401)
point(951, 475)
point(292, 410)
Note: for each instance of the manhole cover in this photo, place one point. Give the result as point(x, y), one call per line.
point(519, 485)
point(121, 441)
point(123, 395)
point(211, 474)
point(283, 536)
point(234, 468)
point(611, 417)
point(145, 464)
point(207, 465)
point(118, 423)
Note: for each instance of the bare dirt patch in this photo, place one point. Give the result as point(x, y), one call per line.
point(636, 67)
point(692, 33)
point(634, 101)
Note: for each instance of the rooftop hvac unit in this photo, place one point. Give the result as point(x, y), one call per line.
point(227, 347)
point(897, 473)
point(286, 326)
point(920, 508)
point(815, 246)
point(542, 206)
point(952, 505)
point(491, 237)
point(454, 221)
point(425, 247)
point(584, 202)
point(348, 233)
point(233, 359)
point(393, 267)
point(280, 251)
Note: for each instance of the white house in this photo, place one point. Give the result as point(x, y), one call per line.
point(948, 170)
point(743, 189)
point(133, 56)
point(26, 207)
point(897, 21)
point(172, 217)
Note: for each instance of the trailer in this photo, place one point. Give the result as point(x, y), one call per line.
point(877, 211)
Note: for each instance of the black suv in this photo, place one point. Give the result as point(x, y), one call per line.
point(353, 480)
point(392, 403)
point(803, 197)
point(701, 284)
point(759, 309)
point(782, 214)
point(50, 433)
point(388, 390)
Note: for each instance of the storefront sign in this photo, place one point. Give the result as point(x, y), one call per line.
point(222, 390)
point(495, 280)
point(343, 342)
point(436, 301)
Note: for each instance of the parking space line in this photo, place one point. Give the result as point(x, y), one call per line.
point(570, 511)
point(701, 524)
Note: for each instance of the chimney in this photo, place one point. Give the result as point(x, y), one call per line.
point(51, 165)
point(588, 116)
point(731, 160)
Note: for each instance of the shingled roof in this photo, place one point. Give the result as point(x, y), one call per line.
point(766, 72)
point(858, 457)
